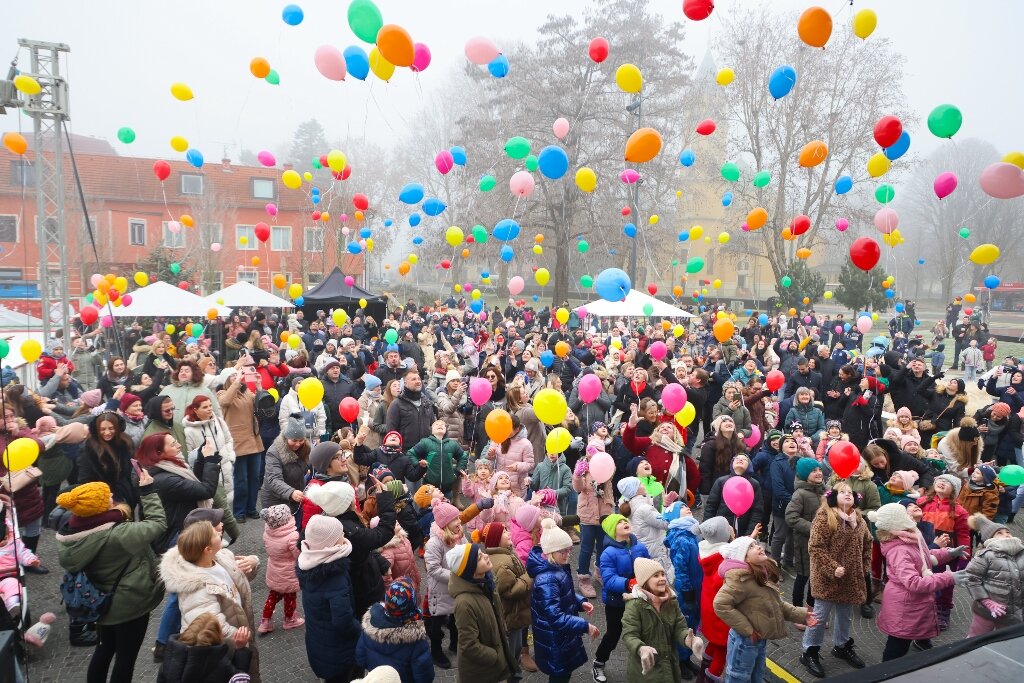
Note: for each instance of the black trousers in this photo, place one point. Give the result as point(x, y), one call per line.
point(120, 643)
point(613, 631)
point(895, 648)
point(800, 585)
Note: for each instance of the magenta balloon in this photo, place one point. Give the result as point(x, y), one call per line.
point(673, 398)
point(944, 185)
point(515, 285)
point(602, 467)
point(444, 161)
point(126, 300)
point(629, 176)
point(521, 184)
point(266, 158)
point(330, 62)
point(755, 436)
point(842, 224)
point(1003, 180)
point(479, 391)
point(886, 220)
point(590, 388)
point(560, 128)
point(839, 329)
point(349, 280)
point(657, 350)
point(582, 311)
point(480, 50)
point(271, 209)
point(420, 57)
point(738, 495)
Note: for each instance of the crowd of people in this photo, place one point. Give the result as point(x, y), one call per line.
point(421, 494)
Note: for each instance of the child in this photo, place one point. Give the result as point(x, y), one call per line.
point(804, 445)
point(524, 528)
point(996, 601)
point(903, 425)
point(640, 468)
point(445, 533)
point(427, 495)
point(908, 604)
point(506, 502)
point(649, 526)
point(12, 553)
point(899, 488)
point(400, 555)
point(749, 603)
point(406, 513)
point(716, 533)
point(515, 456)
point(476, 487)
point(716, 506)
point(281, 539)
point(514, 588)
point(800, 512)
point(988, 352)
point(552, 473)
point(938, 358)
point(390, 454)
point(981, 495)
point(840, 550)
point(546, 501)
point(833, 434)
point(911, 445)
point(393, 635)
point(595, 502)
point(948, 517)
point(444, 457)
point(653, 625)
point(199, 653)
point(682, 542)
point(971, 359)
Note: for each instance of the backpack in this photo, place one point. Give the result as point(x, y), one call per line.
point(83, 601)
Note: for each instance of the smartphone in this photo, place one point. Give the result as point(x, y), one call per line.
point(136, 467)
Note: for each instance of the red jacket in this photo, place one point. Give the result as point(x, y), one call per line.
point(660, 459)
point(715, 630)
point(47, 364)
point(268, 372)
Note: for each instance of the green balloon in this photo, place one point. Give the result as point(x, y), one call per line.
point(365, 20)
point(648, 309)
point(391, 336)
point(582, 246)
point(945, 120)
point(586, 282)
point(487, 183)
point(694, 264)
point(762, 178)
point(531, 163)
point(197, 330)
point(90, 297)
point(1011, 475)
point(479, 234)
point(273, 78)
point(786, 281)
point(517, 147)
point(175, 268)
point(885, 194)
point(731, 172)
point(126, 135)
point(675, 262)
point(965, 233)
point(316, 163)
point(4, 348)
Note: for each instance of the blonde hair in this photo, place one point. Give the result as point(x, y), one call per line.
point(194, 540)
point(966, 452)
point(203, 631)
point(830, 512)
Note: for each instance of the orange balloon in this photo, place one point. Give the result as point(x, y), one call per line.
point(815, 26)
point(395, 45)
point(280, 281)
point(806, 300)
point(403, 267)
point(259, 67)
point(284, 335)
point(787, 234)
point(813, 153)
point(103, 286)
point(562, 349)
point(187, 221)
point(757, 218)
point(538, 238)
point(677, 291)
point(665, 325)
point(255, 260)
point(724, 329)
point(970, 298)
point(498, 425)
point(15, 143)
point(792, 311)
point(643, 145)
point(803, 253)
point(212, 314)
point(359, 215)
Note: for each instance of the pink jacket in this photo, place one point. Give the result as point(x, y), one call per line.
point(282, 551)
point(908, 603)
point(589, 506)
point(473, 490)
point(14, 549)
point(398, 552)
point(505, 506)
point(520, 454)
point(522, 540)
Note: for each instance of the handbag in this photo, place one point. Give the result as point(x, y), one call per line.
point(12, 482)
point(929, 425)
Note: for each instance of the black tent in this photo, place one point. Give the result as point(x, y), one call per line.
point(333, 293)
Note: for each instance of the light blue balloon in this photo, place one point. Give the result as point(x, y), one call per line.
point(417, 240)
point(194, 157)
point(458, 155)
point(687, 157)
point(476, 305)
point(365, 232)
point(762, 319)
point(506, 230)
point(499, 67)
point(890, 293)
point(629, 229)
point(354, 248)
point(315, 199)
point(412, 193)
point(553, 162)
point(392, 347)
point(388, 222)
point(746, 312)
point(863, 314)
point(357, 62)
point(536, 297)
point(547, 359)
point(507, 253)
point(298, 301)
point(434, 207)
point(292, 15)
point(612, 284)
point(684, 235)
point(727, 199)
point(844, 184)
point(900, 308)
point(485, 274)
point(847, 327)
point(920, 261)
point(898, 148)
point(781, 82)
point(991, 281)
point(414, 219)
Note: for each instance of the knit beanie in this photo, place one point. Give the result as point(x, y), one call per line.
point(737, 548)
point(92, 398)
point(644, 568)
point(390, 434)
point(333, 497)
point(380, 674)
point(548, 497)
point(276, 515)
point(422, 496)
point(294, 429)
point(396, 487)
point(829, 424)
point(47, 425)
point(715, 530)
point(553, 539)
point(127, 400)
point(87, 500)
point(954, 481)
point(908, 477)
point(609, 523)
point(491, 534)
point(773, 434)
point(633, 464)
point(716, 424)
point(985, 527)
point(968, 430)
point(323, 532)
point(629, 487)
point(500, 475)
point(907, 439)
point(594, 426)
point(400, 601)
point(322, 454)
point(380, 473)
point(462, 559)
point(804, 467)
point(526, 516)
point(904, 412)
point(892, 517)
point(444, 513)
point(1000, 411)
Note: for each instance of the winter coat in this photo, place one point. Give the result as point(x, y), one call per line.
point(282, 544)
point(984, 499)
point(683, 549)
point(404, 647)
point(589, 506)
point(183, 395)
point(410, 420)
point(483, 654)
point(334, 394)
point(439, 601)
point(740, 416)
point(715, 505)
point(103, 551)
point(181, 496)
point(799, 515)
point(555, 476)
point(315, 419)
point(449, 409)
point(367, 576)
point(332, 629)
point(908, 603)
point(905, 389)
point(589, 413)
point(664, 629)
point(284, 474)
point(216, 430)
point(200, 591)
point(650, 529)
point(997, 575)
point(844, 547)
point(401, 464)
point(522, 540)
point(201, 663)
point(782, 474)
point(445, 458)
point(400, 555)
point(238, 405)
point(121, 478)
point(948, 517)
point(369, 405)
point(708, 466)
point(747, 607)
point(514, 587)
point(628, 395)
point(520, 453)
point(616, 564)
point(945, 410)
point(660, 458)
point(899, 461)
point(555, 606)
point(810, 417)
point(711, 625)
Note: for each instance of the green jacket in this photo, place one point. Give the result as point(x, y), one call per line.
point(102, 552)
point(176, 430)
point(444, 459)
point(484, 656)
point(642, 624)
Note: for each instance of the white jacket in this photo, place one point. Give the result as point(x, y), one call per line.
point(216, 430)
point(199, 591)
point(650, 529)
point(290, 404)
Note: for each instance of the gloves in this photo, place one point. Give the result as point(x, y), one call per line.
point(957, 552)
point(696, 644)
point(647, 655)
point(485, 503)
point(996, 609)
point(629, 585)
point(960, 578)
point(576, 443)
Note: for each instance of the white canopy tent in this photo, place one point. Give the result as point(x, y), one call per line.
point(248, 295)
point(633, 307)
point(164, 300)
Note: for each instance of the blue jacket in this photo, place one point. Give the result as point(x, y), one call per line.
point(783, 476)
point(331, 626)
point(403, 647)
point(555, 606)
point(682, 548)
point(761, 465)
point(617, 567)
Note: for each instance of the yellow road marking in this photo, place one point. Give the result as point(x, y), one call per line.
point(781, 673)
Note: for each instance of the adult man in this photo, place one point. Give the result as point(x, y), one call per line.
point(960, 339)
point(337, 387)
point(392, 368)
point(803, 377)
point(411, 413)
point(905, 384)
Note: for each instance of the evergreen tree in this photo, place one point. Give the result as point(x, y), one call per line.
point(861, 291)
point(308, 143)
point(805, 284)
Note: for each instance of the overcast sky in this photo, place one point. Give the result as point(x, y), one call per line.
point(125, 55)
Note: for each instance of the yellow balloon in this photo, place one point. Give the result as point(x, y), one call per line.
point(878, 165)
point(369, 244)
point(828, 294)
point(685, 416)
point(616, 343)
point(485, 280)
point(457, 288)
point(864, 23)
point(311, 392)
point(1015, 158)
point(874, 316)
point(169, 329)
point(970, 298)
point(21, 453)
point(181, 92)
point(381, 68)
point(291, 179)
point(362, 303)
point(31, 350)
point(294, 341)
point(295, 290)
point(121, 284)
point(141, 279)
point(454, 235)
point(273, 392)
point(220, 301)
point(653, 220)
point(476, 294)
point(542, 276)
point(413, 258)
point(628, 78)
point(27, 85)
point(558, 440)
point(983, 255)
point(725, 76)
point(696, 232)
point(678, 331)
point(243, 240)
point(550, 406)
point(179, 144)
point(336, 160)
point(716, 284)
point(704, 291)
point(339, 316)
point(723, 238)
point(586, 179)
point(307, 176)
point(562, 315)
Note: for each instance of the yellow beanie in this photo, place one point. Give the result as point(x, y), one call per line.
point(87, 500)
point(423, 496)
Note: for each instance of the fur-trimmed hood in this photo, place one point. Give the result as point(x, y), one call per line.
point(182, 577)
point(397, 635)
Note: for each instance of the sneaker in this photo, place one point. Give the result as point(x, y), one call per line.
point(158, 652)
point(38, 569)
point(587, 587)
point(252, 515)
point(266, 626)
point(598, 672)
point(294, 622)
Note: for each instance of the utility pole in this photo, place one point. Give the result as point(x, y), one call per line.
point(636, 109)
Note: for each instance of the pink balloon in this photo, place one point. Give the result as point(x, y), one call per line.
point(738, 495)
point(174, 226)
point(629, 176)
point(745, 228)
point(521, 184)
point(807, 319)
point(126, 300)
point(560, 128)
point(107, 321)
point(944, 185)
point(842, 224)
point(444, 162)
point(657, 350)
point(420, 57)
point(1003, 180)
point(601, 467)
point(589, 388)
point(330, 62)
point(266, 158)
point(515, 285)
point(349, 281)
point(886, 220)
point(480, 50)
point(215, 247)
point(483, 316)
point(839, 329)
point(582, 311)
point(479, 391)
point(864, 324)
point(755, 436)
point(344, 217)
point(95, 279)
point(271, 209)
point(673, 397)
point(345, 231)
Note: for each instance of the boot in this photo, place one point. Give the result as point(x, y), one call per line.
point(847, 654)
point(80, 635)
point(598, 672)
point(867, 610)
point(943, 613)
point(158, 652)
point(294, 621)
point(437, 654)
point(587, 587)
point(811, 660)
point(266, 625)
point(526, 661)
point(877, 587)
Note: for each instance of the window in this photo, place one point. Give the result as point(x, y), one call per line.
point(210, 233)
point(249, 233)
point(314, 239)
point(281, 238)
point(313, 279)
point(250, 276)
point(743, 265)
point(191, 183)
point(173, 240)
point(212, 281)
point(8, 228)
point(263, 188)
point(137, 232)
point(23, 173)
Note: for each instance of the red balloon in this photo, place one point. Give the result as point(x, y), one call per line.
point(865, 252)
point(598, 49)
point(336, 175)
point(162, 169)
point(262, 232)
point(652, 288)
point(706, 127)
point(968, 311)
point(800, 225)
point(360, 201)
point(349, 409)
point(315, 215)
point(323, 160)
point(183, 285)
point(89, 314)
point(346, 172)
point(446, 264)
point(887, 131)
point(844, 458)
point(774, 380)
point(698, 10)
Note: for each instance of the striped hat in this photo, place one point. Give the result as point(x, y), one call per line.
point(462, 559)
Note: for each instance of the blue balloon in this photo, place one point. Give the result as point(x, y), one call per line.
point(992, 282)
point(844, 184)
point(553, 162)
point(727, 199)
point(414, 219)
point(536, 297)
point(392, 347)
point(684, 235)
point(476, 306)
point(762, 319)
point(746, 312)
point(315, 190)
point(629, 229)
point(917, 322)
point(298, 301)
point(412, 193)
point(357, 62)
point(890, 293)
point(864, 314)
point(499, 67)
point(292, 15)
point(687, 157)
point(417, 240)
point(315, 198)
point(547, 359)
point(847, 327)
point(354, 248)
point(612, 284)
point(898, 148)
point(506, 230)
point(485, 274)
point(434, 207)
point(781, 82)
point(365, 232)
point(920, 261)
point(458, 155)
point(194, 157)
point(506, 253)
point(900, 308)
point(388, 222)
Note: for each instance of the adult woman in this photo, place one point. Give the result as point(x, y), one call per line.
point(946, 407)
point(885, 457)
point(286, 466)
point(717, 453)
point(664, 451)
point(840, 392)
point(631, 394)
point(650, 417)
point(961, 448)
point(379, 418)
point(515, 456)
point(731, 405)
point(239, 406)
point(807, 414)
point(760, 403)
point(130, 409)
point(117, 375)
point(451, 402)
point(493, 375)
point(202, 426)
point(186, 384)
point(99, 540)
point(152, 361)
point(107, 457)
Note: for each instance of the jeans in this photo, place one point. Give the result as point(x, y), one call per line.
point(120, 643)
point(745, 661)
point(571, 502)
point(247, 484)
point(170, 620)
point(814, 636)
point(591, 545)
point(970, 373)
point(781, 537)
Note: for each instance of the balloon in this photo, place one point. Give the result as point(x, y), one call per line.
point(786, 281)
point(506, 230)
point(259, 67)
point(613, 284)
point(991, 282)
point(194, 157)
point(421, 57)
point(731, 172)
point(687, 157)
point(126, 135)
point(27, 85)
point(724, 329)
point(515, 285)
point(685, 416)
point(878, 165)
point(598, 49)
point(844, 184)
point(628, 78)
point(864, 23)
point(562, 315)
point(273, 78)
point(517, 147)
point(673, 398)
point(800, 225)
point(885, 193)
point(266, 158)
point(706, 127)
point(31, 350)
point(454, 236)
point(480, 391)
point(349, 409)
point(412, 193)
point(330, 62)
point(542, 276)
point(357, 62)
point(864, 324)
point(550, 406)
point(983, 255)
point(630, 230)
point(553, 162)
point(560, 128)
point(899, 148)
point(590, 388)
point(498, 425)
point(480, 50)
point(292, 15)
point(698, 10)
point(1002, 180)
point(602, 467)
point(725, 76)
point(643, 145)
point(586, 179)
point(558, 439)
point(365, 20)
point(291, 179)
point(657, 350)
point(781, 82)
point(381, 67)
point(844, 458)
point(865, 252)
point(20, 453)
point(815, 26)
point(395, 45)
point(182, 92)
point(888, 131)
point(162, 170)
point(886, 220)
point(1011, 475)
point(694, 264)
point(944, 184)
point(755, 436)
point(813, 153)
point(757, 218)
point(774, 380)
point(762, 178)
point(506, 254)
point(738, 494)
point(945, 120)
point(487, 183)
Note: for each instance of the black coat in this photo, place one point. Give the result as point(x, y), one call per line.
point(835, 407)
point(411, 421)
point(946, 411)
point(900, 461)
point(627, 396)
point(334, 394)
point(401, 465)
point(181, 496)
point(715, 505)
point(202, 664)
point(332, 627)
point(812, 380)
point(905, 389)
point(120, 477)
point(367, 577)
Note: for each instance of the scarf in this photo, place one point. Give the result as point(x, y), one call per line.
point(391, 451)
point(657, 601)
point(309, 558)
point(113, 515)
point(637, 388)
point(184, 473)
point(1010, 546)
point(667, 444)
point(134, 420)
point(413, 396)
point(850, 519)
point(913, 536)
point(487, 583)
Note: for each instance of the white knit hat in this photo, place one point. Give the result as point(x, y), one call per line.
point(381, 674)
point(892, 517)
point(737, 549)
point(644, 569)
point(323, 532)
point(334, 497)
point(553, 539)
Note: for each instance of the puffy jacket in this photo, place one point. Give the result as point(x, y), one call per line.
point(201, 663)
point(908, 603)
point(400, 555)
point(180, 495)
point(616, 566)
point(401, 464)
point(315, 419)
point(367, 576)
point(332, 629)
point(716, 507)
point(520, 453)
point(589, 506)
point(282, 544)
point(810, 418)
point(284, 474)
point(554, 475)
point(444, 459)
point(483, 654)
point(438, 573)
point(200, 591)
point(558, 629)
point(449, 408)
point(747, 607)
point(514, 587)
point(799, 516)
point(663, 629)
point(522, 540)
point(216, 430)
point(997, 575)
point(650, 529)
point(741, 416)
point(711, 625)
point(782, 473)
point(683, 549)
point(404, 647)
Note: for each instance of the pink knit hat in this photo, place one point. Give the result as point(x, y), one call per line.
point(548, 497)
point(444, 513)
point(904, 412)
point(907, 438)
point(908, 477)
point(527, 516)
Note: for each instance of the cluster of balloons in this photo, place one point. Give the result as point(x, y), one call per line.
point(483, 52)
